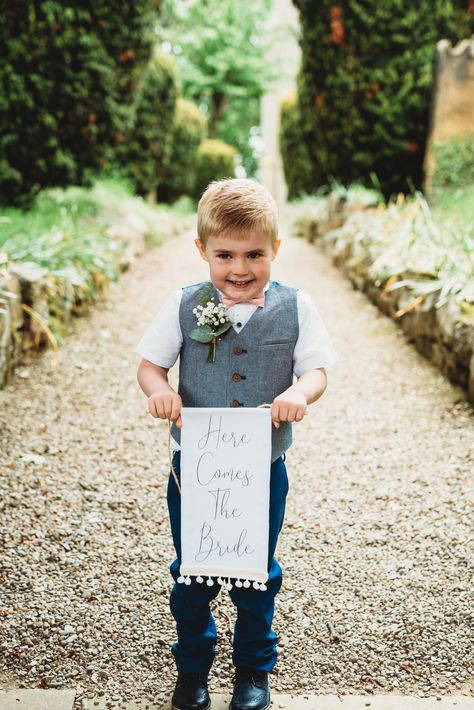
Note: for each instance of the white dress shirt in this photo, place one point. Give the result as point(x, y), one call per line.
point(161, 342)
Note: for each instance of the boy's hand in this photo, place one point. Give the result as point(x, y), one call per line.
point(289, 406)
point(166, 405)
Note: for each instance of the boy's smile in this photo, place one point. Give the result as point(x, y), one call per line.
point(239, 266)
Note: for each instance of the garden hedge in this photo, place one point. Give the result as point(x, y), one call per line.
point(216, 160)
point(294, 151)
point(365, 84)
point(147, 138)
point(188, 132)
point(68, 72)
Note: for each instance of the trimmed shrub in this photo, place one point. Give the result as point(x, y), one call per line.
point(146, 142)
point(68, 70)
point(294, 153)
point(365, 85)
point(188, 132)
point(216, 160)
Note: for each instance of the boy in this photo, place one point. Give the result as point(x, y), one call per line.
point(276, 331)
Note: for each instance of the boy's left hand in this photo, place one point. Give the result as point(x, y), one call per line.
point(289, 406)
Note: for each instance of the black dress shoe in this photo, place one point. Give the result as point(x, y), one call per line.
point(251, 690)
point(190, 692)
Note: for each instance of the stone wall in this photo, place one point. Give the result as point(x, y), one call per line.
point(452, 106)
point(444, 335)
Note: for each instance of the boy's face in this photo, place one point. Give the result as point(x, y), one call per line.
point(239, 266)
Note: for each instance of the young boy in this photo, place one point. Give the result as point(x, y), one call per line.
point(276, 332)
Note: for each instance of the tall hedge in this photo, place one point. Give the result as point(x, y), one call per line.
point(68, 72)
point(365, 84)
point(188, 132)
point(294, 151)
point(146, 140)
point(215, 160)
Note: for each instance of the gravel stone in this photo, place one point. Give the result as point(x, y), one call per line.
point(376, 546)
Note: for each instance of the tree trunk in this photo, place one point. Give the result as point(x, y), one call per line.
point(219, 101)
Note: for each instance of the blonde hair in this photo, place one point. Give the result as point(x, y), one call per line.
point(236, 206)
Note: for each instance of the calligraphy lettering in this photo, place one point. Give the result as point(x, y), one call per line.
point(208, 545)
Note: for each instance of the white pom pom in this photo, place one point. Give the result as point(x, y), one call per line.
point(180, 579)
point(187, 581)
point(238, 583)
point(256, 585)
point(199, 579)
point(220, 581)
point(263, 587)
point(246, 584)
point(210, 582)
point(228, 586)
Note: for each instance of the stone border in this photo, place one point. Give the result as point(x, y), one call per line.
point(444, 335)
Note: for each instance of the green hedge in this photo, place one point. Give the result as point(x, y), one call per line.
point(216, 160)
point(146, 142)
point(68, 73)
point(294, 153)
point(365, 85)
point(188, 132)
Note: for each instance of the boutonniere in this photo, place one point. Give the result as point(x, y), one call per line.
point(213, 321)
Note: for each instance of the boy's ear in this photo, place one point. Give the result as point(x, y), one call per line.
point(201, 250)
point(276, 246)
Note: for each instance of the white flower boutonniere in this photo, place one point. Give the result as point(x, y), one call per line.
point(213, 322)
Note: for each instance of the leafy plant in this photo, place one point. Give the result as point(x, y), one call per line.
point(454, 160)
point(219, 49)
point(68, 77)
point(365, 85)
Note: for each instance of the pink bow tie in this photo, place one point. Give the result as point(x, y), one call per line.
point(257, 301)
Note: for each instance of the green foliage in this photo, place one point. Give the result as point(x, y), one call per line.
point(66, 232)
point(219, 50)
point(147, 138)
point(365, 85)
point(454, 161)
point(67, 80)
point(406, 239)
point(454, 206)
point(216, 160)
point(357, 194)
point(294, 153)
point(188, 133)
point(409, 240)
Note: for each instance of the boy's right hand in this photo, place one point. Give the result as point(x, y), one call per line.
point(166, 405)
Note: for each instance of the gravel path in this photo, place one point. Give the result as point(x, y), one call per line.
point(377, 547)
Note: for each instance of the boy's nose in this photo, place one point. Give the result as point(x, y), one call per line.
point(240, 268)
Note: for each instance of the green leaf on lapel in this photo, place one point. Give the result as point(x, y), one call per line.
point(203, 334)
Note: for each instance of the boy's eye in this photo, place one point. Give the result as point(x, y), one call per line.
point(254, 255)
point(223, 256)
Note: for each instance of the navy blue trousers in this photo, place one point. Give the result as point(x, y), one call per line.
point(254, 640)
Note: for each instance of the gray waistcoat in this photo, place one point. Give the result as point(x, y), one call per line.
point(251, 367)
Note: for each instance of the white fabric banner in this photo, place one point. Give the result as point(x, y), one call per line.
point(225, 492)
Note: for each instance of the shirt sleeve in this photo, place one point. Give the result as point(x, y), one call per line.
point(161, 343)
point(313, 348)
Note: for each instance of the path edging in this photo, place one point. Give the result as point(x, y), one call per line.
point(444, 335)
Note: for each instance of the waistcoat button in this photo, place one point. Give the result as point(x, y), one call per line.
point(236, 377)
point(237, 350)
point(234, 403)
